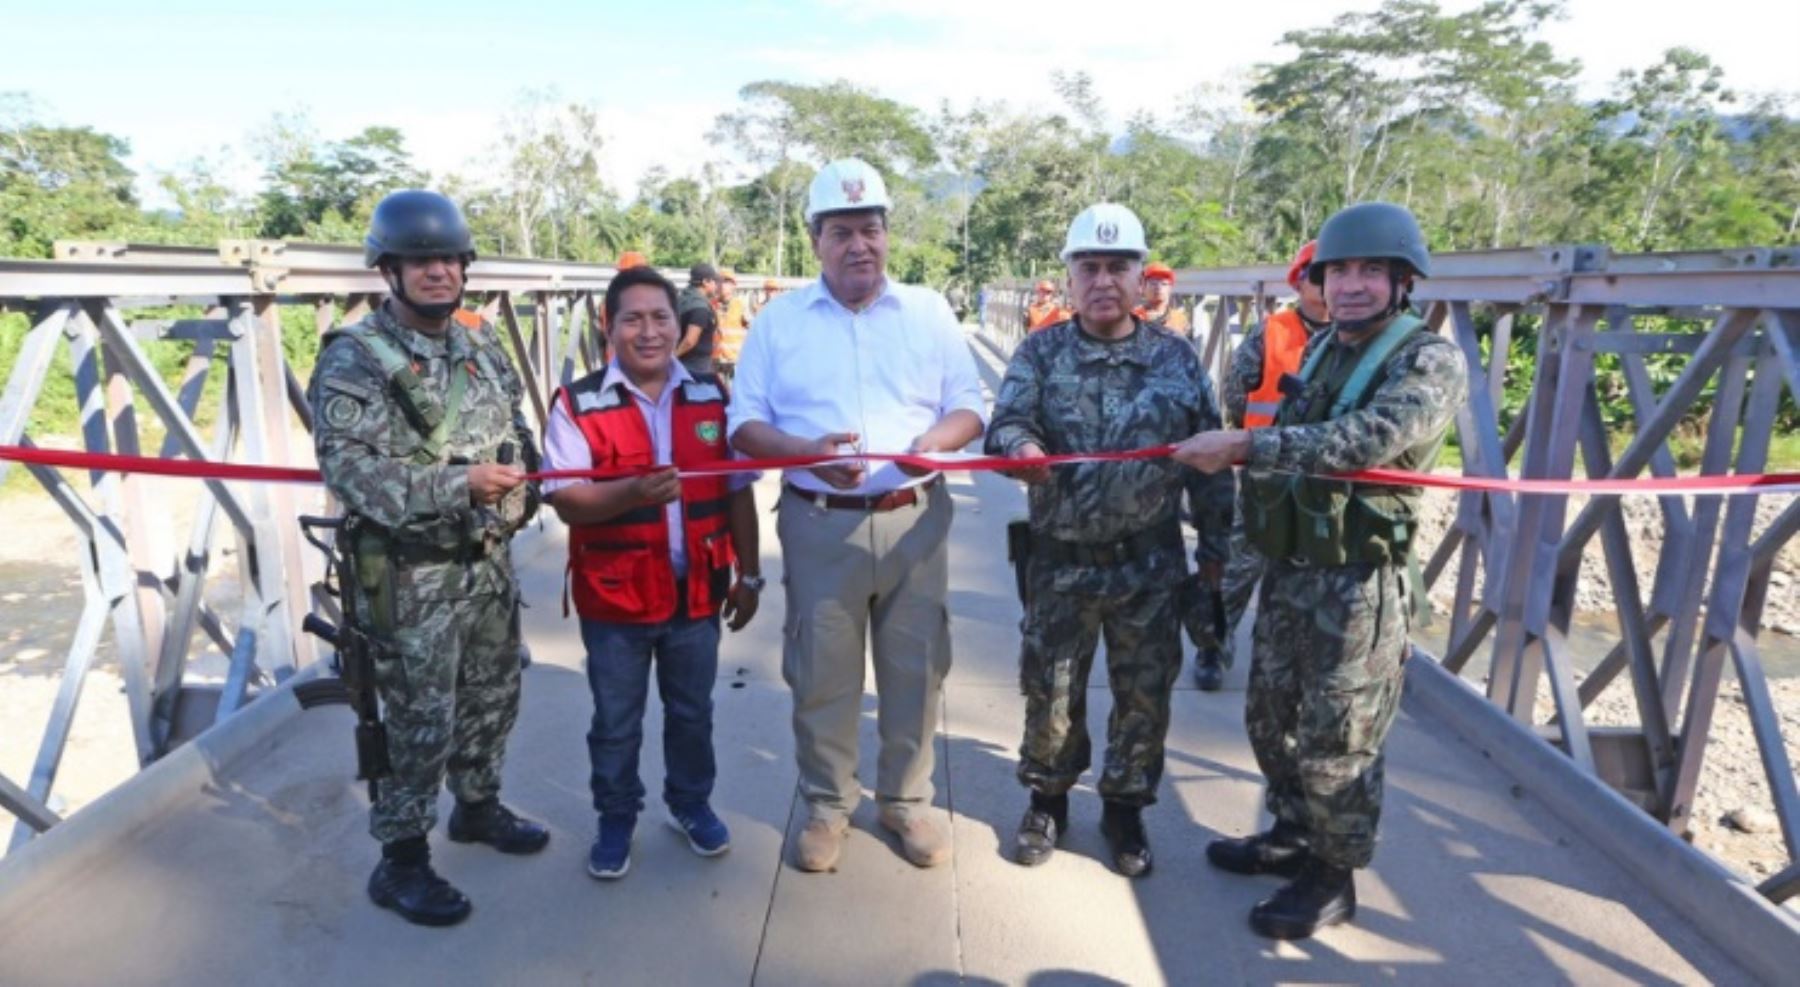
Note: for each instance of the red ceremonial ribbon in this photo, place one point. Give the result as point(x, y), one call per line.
point(208, 470)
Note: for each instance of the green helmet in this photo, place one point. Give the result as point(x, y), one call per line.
point(1371, 229)
point(417, 223)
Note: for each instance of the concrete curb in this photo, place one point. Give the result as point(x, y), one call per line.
point(1725, 908)
point(84, 839)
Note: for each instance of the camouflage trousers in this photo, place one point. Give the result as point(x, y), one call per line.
point(1242, 572)
point(1325, 682)
point(449, 696)
point(1137, 608)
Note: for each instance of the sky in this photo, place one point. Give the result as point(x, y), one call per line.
point(184, 79)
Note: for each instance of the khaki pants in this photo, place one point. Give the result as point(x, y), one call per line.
point(848, 572)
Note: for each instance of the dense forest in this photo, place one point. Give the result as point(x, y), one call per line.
point(1469, 118)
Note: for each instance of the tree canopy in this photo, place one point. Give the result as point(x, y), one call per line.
point(1469, 118)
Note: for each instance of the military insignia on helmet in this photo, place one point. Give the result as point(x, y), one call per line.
point(853, 189)
point(1107, 233)
point(708, 432)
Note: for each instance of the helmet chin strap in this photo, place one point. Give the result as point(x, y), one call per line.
point(1396, 301)
point(435, 311)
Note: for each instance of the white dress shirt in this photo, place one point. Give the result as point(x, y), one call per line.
point(810, 367)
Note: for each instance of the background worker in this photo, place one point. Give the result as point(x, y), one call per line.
point(1332, 625)
point(855, 360)
point(699, 319)
point(734, 321)
point(1106, 554)
point(1252, 391)
point(1043, 310)
point(1159, 308)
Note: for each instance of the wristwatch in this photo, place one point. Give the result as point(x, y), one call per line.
point(754, 583)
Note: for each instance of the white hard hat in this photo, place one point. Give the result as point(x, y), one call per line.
point(845, 185)
point(1105, 228)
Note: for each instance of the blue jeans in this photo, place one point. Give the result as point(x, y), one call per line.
point(618, 666)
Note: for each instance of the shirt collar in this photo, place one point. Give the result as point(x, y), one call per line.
point(454, 341)
point(1134, 348)
point(615, 377)
point(821, 295)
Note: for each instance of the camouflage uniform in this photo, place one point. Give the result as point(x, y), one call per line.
point(1243, 564)
point(449, 671)
point(1330, 640)
point(1069, 393)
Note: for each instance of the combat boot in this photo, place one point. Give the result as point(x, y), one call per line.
point(1282, 850)
point(1042, 828)
point(1209, 670)
point(404, 883)
point(494, 824)
point(1324, 894)
point(1123, 827)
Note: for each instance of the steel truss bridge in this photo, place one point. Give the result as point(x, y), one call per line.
point(1578, 317)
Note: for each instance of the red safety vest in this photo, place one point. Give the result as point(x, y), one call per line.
point(620, 569)
point(1284, 340)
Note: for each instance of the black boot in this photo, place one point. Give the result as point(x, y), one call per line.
point(1323, 894)
point(1123, 827)
point(494, 824)
point(1281, 850)
point(1209, 670)
point(405, 883)
point(1041, 829)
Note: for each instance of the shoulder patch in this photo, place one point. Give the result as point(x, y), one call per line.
point(597, 400)
point(699, 392)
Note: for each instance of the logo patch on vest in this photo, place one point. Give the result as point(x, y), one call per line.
point(708, 432)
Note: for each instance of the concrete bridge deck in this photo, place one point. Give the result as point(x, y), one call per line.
point(256, 875)
point(250, 867)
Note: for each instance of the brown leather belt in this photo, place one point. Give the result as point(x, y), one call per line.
point(873, 503)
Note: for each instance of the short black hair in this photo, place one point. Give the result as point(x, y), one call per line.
point(633, 277)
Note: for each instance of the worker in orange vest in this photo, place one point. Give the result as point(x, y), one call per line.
point(734, 322)
point(1159, 308)
point(1252, 392)
point(1044, 312)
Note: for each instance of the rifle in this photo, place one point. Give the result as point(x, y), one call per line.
point(354, 660)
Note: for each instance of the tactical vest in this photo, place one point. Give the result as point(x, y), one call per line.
point(619, 569)
point(431, 418)
point(1324, 522)
point(1284, 342)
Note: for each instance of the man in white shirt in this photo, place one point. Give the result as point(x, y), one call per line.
point(852, 363)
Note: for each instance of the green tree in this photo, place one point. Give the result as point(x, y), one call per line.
point(60, 183)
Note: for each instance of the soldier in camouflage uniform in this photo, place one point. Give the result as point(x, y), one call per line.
point(412, 411)
point(1331, 630)
point(1105, 549)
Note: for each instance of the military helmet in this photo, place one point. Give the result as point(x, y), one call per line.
point(417, 223)
point(1371, 229)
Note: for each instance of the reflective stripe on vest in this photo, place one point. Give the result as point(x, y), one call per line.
point(620, 570)
point(1284, 340)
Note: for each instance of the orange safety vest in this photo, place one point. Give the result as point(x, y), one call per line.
point(1045, 315)
point(1173, 318)
point(733, 324)
point(1284, 339)
point(620, 569)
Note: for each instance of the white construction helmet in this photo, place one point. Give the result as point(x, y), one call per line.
point(1105, 228)
point(846, 185)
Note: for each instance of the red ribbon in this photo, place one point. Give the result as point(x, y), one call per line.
point(205, 469)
